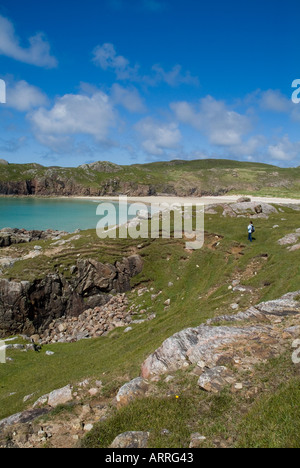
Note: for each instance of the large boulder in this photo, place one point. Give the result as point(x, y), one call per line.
point(247, 209)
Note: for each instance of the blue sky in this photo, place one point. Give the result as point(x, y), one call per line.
point(133, 81)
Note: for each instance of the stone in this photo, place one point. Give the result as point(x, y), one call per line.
point(27, 397)
point(88, 427)
point(238, 386)
point(215, 379)
point(60, 396)
point(289, 239)
point(169, 378)
point(131, 439)
point(35, 338)
point(130, 391)
point(243, 200)
point(196, 440)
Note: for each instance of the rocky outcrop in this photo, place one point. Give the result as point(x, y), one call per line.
point(244, 208)
point(29, 307)
point(204, 344)
point(9, 236)
point(290, 239)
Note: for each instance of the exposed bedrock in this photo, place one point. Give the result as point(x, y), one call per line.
point(29, 307)
point(206, 342)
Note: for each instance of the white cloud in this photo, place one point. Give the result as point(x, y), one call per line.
point(158, 137)
point(106, 57)
point(74, 115)
point(24, 97)
point(38, 52)
point(223, 126)
point(284, 150)
point(128, 98)
point(274, 100)
point(173, 77)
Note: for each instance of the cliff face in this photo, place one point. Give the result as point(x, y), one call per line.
point(59, 187)
point(181, 178)
point(29, 307)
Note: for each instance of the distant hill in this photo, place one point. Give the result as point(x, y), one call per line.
point(181, 178)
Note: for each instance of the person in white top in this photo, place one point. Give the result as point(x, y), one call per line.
point(251, 229)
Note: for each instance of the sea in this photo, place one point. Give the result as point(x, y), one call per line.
point(62, 214)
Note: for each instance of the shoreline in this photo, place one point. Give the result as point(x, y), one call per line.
point(211, 200)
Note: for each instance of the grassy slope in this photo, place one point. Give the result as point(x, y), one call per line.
point(199, 293)
point(206, 175)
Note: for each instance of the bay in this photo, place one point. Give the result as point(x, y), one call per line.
point(51, 213)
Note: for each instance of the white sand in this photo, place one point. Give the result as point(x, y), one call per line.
point(200, 200)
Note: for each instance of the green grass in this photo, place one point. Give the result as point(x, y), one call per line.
point(197, 294)
point(271, 420)
point(274, 421)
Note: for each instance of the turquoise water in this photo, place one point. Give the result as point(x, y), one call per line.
point(50, 213)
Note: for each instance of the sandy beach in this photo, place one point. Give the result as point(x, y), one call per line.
point(194, 200)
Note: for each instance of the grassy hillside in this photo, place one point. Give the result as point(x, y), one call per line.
point(200, 291)
point(176, 177)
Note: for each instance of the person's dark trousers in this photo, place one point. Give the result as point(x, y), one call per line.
point(250, 236)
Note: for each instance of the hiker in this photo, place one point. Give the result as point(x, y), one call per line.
point(36, 347)
point(251, 230)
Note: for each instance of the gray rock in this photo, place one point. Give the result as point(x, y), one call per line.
point(131, 390)
point(289, 239)
point(215, 379)
point(131, 440)
point(197, 440)
point(60, 396)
